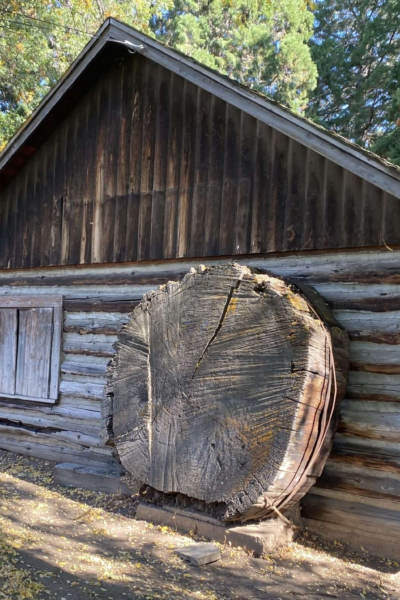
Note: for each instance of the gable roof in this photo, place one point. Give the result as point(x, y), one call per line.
point(91, 62)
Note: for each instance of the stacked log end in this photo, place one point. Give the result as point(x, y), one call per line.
point(223, 392)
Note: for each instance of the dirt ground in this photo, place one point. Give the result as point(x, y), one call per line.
point(72, 544)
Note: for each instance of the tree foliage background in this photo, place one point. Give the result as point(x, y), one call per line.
point(356, 47)
point(262, 43)
point(336, 61)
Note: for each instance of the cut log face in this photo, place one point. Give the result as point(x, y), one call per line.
point(221, 389)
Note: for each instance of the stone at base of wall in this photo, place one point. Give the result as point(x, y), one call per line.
point(260, 538)
point(98, 479)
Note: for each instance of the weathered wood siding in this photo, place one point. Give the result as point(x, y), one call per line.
point(69, 431)
point(358, 495)
point(148, 166)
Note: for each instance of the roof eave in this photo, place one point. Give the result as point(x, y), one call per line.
point(348, 155)
point(92, 48)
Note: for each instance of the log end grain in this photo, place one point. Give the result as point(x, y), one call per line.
point(222, 390)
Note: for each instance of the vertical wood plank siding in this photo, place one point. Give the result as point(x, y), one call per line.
point(149, 166)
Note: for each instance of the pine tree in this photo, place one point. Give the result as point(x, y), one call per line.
point(356, 46)
point(261, 43)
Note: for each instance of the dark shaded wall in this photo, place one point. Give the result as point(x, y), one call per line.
point(148, 166)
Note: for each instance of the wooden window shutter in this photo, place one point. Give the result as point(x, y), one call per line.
point(8, 349)
point(30, 347)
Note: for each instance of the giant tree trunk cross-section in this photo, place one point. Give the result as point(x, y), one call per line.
point(222, 389)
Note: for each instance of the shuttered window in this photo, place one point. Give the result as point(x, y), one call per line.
point(30, 346)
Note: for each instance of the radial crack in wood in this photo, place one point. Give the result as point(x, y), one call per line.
point(222, 390)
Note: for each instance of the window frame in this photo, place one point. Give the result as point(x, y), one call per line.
point(30, 302)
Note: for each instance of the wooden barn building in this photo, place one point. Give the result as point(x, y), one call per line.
point(142, 163)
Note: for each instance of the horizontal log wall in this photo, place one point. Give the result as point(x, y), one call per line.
point(149, 166)
point(70, 430)
point(358, 496)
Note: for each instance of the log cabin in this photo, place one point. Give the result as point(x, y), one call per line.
point(142, 163)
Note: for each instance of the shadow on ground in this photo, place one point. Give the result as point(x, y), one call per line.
point(64, 543)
